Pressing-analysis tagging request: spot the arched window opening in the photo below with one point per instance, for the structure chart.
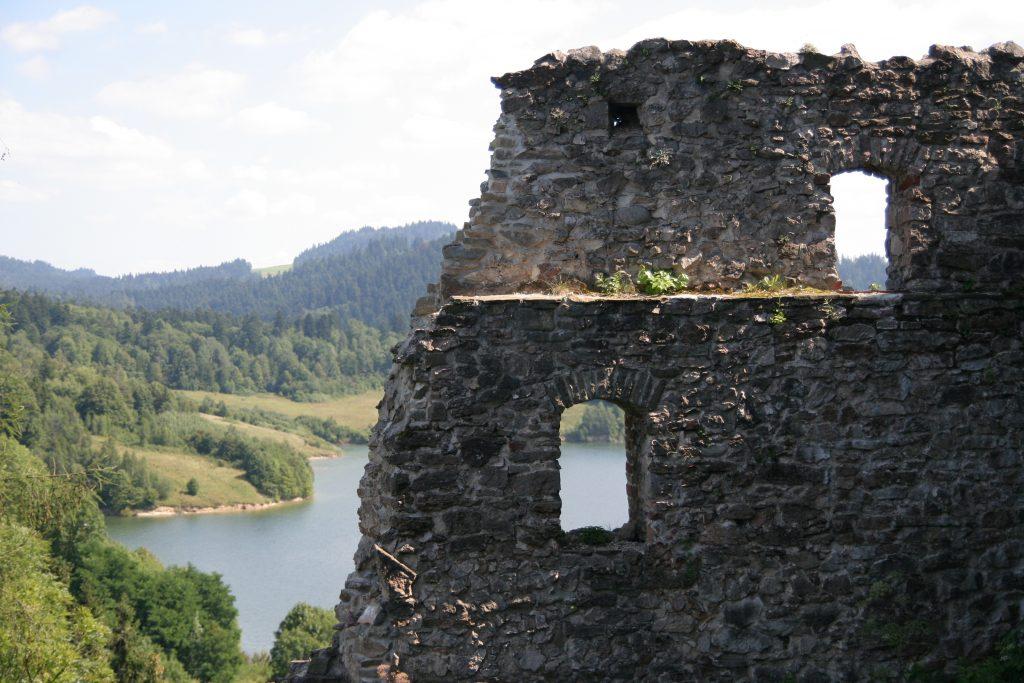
(860, 202)
(593, 466)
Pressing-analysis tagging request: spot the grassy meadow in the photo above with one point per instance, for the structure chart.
(311, 447)
(358, 411)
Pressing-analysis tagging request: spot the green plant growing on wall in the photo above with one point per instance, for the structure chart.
(830, 310)
(735, 86)
(657, 282)
(769, 283)
(778, 316)
(618, 282)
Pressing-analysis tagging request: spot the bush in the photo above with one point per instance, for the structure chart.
(616, 283)
(593, 535)
(192, 487)
(769, 283)
(658, 282)
(304, 629)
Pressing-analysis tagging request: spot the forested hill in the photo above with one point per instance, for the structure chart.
(346, 242)
(314, 355)
(860, 272)
(377, 284)
(87, 284)
(370, 275)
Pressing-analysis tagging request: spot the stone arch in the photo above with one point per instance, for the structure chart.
(633, 390)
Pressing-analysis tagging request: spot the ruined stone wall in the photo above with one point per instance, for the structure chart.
(831, 497)
(821, 488)
(724, 174)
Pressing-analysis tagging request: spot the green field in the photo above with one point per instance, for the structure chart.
(317, 449)
(219, 484)
(358, 411)
(270, 271)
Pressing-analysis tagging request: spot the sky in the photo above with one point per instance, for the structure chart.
(161, 135)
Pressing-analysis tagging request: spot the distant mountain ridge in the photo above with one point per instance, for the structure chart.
(346, 242)
(40, 275)
(860, 272)
(372, 275)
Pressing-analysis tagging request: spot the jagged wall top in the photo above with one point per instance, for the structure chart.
(715, 159)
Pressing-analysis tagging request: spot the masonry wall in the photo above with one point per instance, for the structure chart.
(725, 173)
(822, 488)
(832, 497)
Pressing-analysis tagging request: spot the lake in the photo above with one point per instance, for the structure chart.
(277, 557)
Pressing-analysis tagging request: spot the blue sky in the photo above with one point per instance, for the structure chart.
(158, 135)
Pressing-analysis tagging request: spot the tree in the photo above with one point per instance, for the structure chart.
(44, 634)
(192, 487)
(15, 397)
(190, 615)
(305, 628)
(102, 399)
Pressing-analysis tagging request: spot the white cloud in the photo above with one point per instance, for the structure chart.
(248, 204)
(196, 92)
(152, 28)
(47, 34)
(36, 67)
(271, 118)
(11, 191)
(252, 204)
(98, 152)
(249, 37)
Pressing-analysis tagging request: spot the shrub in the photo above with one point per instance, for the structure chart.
(304, 629)
(769, 283)
(659, 282)
(192, 487)
(618, 282)
(593, 535)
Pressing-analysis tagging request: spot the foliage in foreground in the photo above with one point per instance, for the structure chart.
(305, 628)
(44, 634)
(92, 606)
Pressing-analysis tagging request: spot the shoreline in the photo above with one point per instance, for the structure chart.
(170, 511)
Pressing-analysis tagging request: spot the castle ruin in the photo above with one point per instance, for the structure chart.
(833, 496)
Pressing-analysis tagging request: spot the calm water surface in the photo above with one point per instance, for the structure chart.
(274, 558)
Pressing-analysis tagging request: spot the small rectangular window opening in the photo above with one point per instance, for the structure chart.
(622, 116)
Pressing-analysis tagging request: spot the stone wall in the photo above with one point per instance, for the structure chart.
(724, 171)
(821, 487)
(831, 497)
